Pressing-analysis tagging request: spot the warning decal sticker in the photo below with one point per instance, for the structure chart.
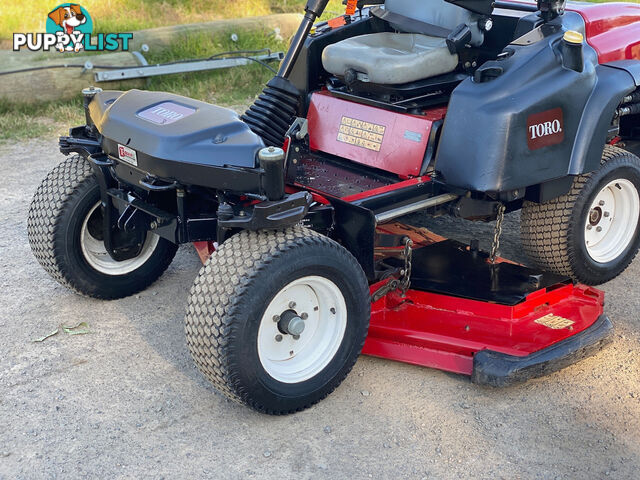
(554, 322)
(361, 134)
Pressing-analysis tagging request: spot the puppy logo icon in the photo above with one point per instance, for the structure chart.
(69, 22)
(70, 29)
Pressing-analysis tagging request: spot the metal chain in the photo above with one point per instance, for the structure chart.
(496, 233)
(403, 282)
(405, 278)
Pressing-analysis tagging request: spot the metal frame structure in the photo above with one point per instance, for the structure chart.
(146, 71)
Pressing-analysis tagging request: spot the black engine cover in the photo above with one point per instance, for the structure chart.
(175, 137)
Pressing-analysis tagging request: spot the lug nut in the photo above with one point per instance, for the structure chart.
(296, 337)
(589, 227)
(598, 229)
(601, 203)
(278, 338)
(607, 214)
(276, 318)
(292, 304)
(304, 315)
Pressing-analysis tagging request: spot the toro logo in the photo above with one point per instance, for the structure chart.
(128, 155)
(166, 113)
(545, 129)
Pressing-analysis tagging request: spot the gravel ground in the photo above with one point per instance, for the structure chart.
(126, 401)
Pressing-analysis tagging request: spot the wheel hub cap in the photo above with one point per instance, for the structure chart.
(595, 216)
(290, 323)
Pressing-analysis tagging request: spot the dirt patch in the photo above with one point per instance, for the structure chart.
(125, 401)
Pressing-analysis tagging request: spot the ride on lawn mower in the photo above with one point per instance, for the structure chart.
(470, 108)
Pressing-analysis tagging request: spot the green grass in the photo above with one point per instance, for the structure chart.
(231, 87)
(234, 88)
(29, 121)
(129, 15)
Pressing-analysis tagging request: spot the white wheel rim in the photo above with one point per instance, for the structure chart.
(612, 221)
(291, 360)
(95, 253)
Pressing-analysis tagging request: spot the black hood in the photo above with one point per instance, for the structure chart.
(172, 127)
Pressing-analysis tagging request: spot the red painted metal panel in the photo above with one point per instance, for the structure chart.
(388, 188)
(390, 141)
(417, 355)
(445, 332)
(204, 249)
(613, 29)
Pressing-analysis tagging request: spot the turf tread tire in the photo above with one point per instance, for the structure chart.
(547, 229)
(58, 192)
(220, 289)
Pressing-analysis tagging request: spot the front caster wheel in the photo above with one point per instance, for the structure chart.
(65, 234)
(276, 320)
(592, 233)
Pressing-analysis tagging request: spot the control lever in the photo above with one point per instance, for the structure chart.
(459, 38)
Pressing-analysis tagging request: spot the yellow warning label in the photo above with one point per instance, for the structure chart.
(361, 134)
(555, 322)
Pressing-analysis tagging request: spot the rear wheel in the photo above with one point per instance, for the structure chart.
(277, 319)
(592, 233)
(66, 237)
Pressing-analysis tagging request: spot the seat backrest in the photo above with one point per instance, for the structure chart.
(437, 12)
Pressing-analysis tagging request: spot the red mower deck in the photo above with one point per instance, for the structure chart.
(496, 344)
(448, 333)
